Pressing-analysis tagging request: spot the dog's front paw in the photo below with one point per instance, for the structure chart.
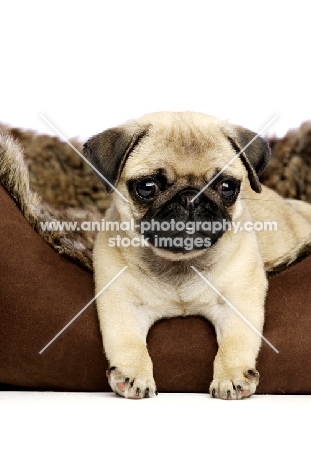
(235, 385)
(131, 384)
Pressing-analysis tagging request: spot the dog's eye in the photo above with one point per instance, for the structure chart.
(227, 189)
(147, 188)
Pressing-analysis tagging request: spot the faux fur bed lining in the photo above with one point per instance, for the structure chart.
(50, 182)
(14, 176)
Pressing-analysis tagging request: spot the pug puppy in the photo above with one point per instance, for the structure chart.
(175, 170)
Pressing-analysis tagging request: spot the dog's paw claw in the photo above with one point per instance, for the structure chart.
(135, 387)
(252, 374)
(238, 384)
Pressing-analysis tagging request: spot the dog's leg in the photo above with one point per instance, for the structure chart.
(235, 375)
(124, 331)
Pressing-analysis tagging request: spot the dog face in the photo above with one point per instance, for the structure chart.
(178, 170)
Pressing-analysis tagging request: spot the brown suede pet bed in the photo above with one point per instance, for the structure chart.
(41, 291)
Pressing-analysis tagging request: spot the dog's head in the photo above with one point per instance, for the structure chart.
(182, 175)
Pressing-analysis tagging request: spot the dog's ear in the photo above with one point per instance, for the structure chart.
(255, 157)
(108, 151)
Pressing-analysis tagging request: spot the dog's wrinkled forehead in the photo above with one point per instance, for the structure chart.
(183, 144)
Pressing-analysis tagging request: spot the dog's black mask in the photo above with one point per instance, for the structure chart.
(204, 222)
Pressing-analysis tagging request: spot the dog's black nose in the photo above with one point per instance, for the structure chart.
(189, 197)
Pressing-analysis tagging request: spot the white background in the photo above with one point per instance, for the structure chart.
(45, 430)
(88, 66)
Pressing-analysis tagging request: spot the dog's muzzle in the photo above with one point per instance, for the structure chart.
(185, 223)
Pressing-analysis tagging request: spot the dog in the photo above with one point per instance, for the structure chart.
(174, 177)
